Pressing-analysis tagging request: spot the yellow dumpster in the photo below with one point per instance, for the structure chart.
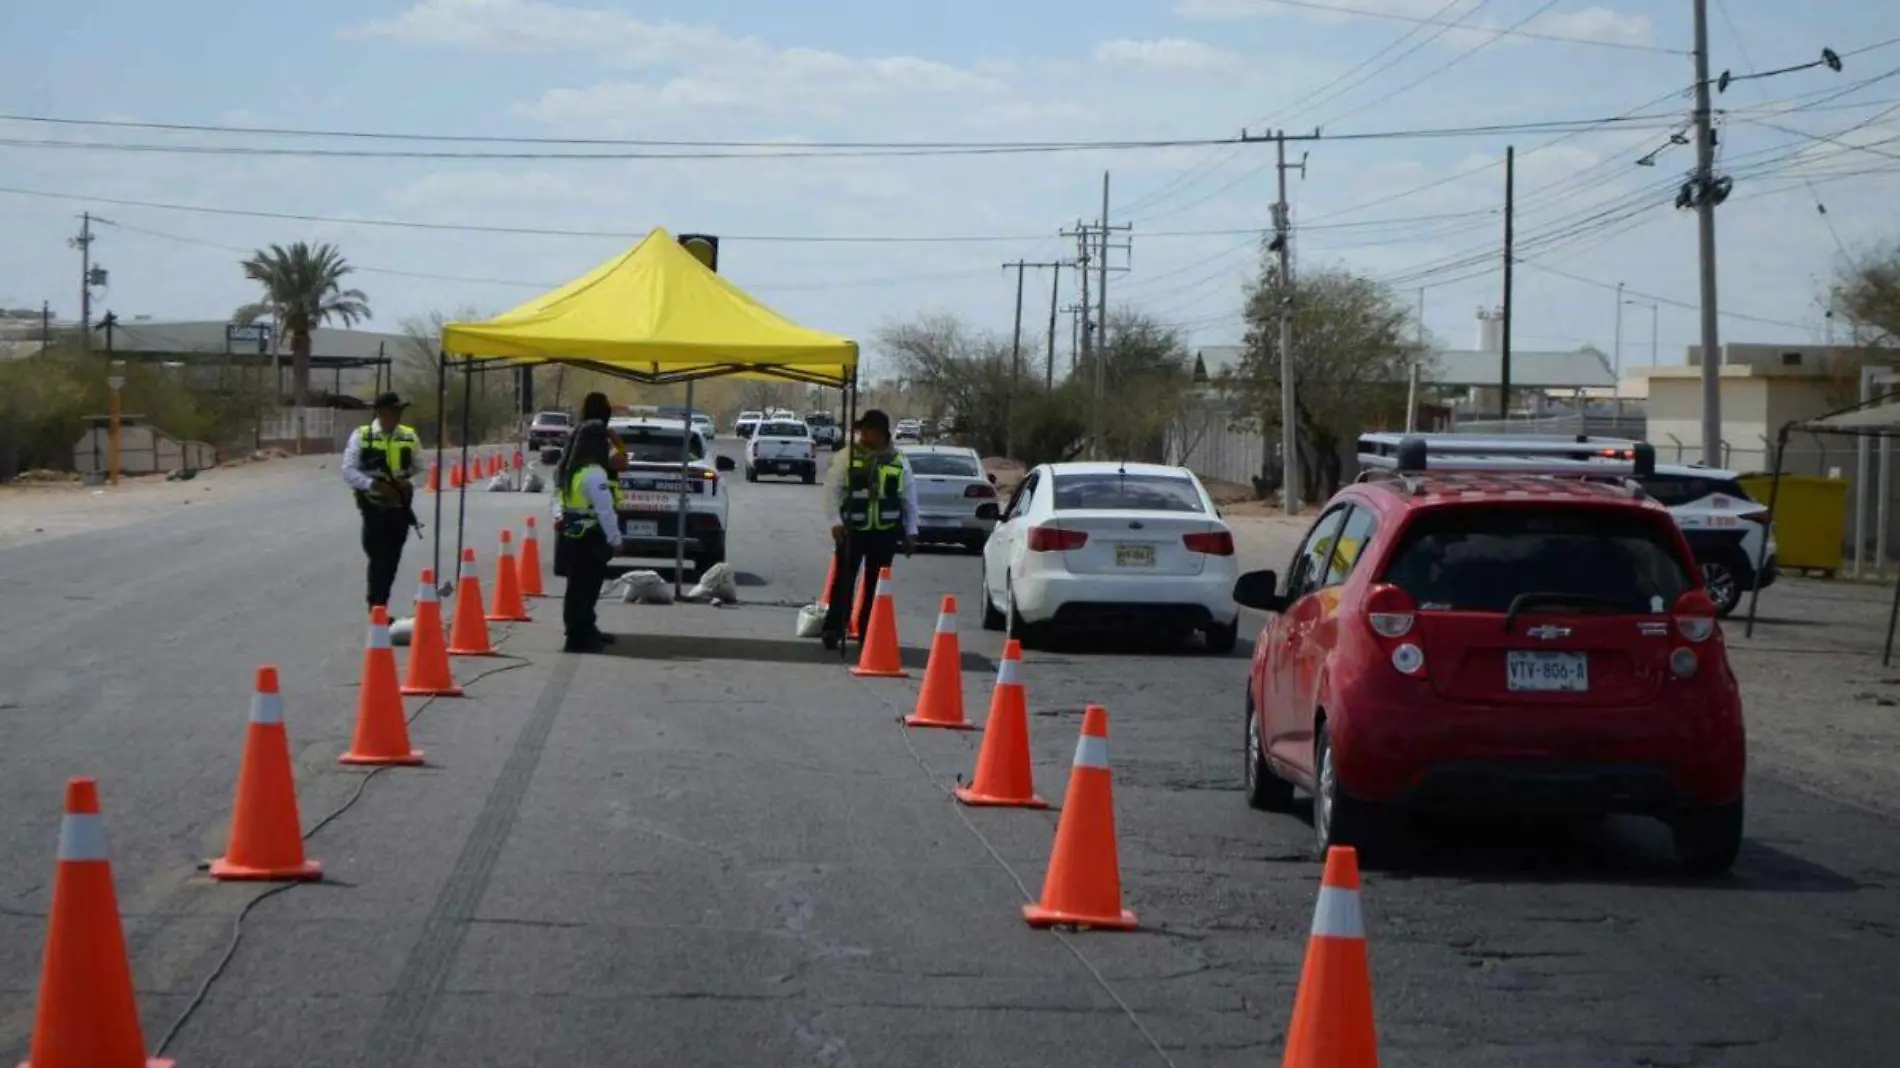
(1810, 519)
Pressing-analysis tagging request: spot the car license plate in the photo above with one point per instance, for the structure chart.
(642, 528)
(650, 502)
(1547, 672)
(1134, 555)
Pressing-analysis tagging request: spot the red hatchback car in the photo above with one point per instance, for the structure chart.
(1521, 632)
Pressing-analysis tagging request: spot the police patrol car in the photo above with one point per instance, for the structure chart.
(1724, 525)
(650, 492)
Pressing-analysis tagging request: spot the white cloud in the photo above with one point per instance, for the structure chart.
(1166, 55)
(713, 70)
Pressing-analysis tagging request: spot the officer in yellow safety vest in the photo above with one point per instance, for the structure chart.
(380, 463)
(873, 515)
(589, 534)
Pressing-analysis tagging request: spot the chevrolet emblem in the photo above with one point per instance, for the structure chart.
(1547, 632)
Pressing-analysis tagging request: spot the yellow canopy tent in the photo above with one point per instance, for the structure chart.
(655, 314)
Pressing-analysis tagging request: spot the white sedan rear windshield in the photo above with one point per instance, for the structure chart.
(1482, 559)
(943, 464)
(783, 430)
(1126, 493)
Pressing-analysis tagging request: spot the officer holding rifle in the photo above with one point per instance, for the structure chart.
(380, 463)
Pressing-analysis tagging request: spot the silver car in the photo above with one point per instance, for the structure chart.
(951, 492)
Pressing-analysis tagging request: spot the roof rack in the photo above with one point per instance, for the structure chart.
(1581, 455)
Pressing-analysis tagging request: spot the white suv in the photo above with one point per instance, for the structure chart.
(650, 492)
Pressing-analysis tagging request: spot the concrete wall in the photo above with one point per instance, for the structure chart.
(143, 450)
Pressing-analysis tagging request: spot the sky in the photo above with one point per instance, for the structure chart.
(1399, 186)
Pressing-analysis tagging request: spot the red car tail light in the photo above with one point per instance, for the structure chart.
(980, 492)
(1390, 612)
(1695, 615)
(1212, 542)
(1055, 539)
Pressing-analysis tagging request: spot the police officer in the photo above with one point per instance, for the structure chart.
(874, 514)
(379, 463)
(589, 534)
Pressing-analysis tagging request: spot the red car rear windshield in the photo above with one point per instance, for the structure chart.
(1476, 559)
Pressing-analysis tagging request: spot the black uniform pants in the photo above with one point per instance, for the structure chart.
(871, 550)
(585, 562)
(385, 530)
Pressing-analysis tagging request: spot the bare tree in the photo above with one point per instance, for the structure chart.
(1354, 344)
(1867, 296)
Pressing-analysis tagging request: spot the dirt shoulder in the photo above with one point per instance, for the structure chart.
(41, 511)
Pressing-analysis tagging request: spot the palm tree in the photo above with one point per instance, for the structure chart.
(303, 290)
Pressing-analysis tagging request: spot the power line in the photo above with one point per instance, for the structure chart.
(1442, 68)
(1532, 35)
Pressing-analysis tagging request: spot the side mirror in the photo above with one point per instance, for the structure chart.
(988, 511)
(992, 477)
(1259, 590)
(725, 463)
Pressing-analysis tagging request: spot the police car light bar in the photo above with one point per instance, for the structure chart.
(1413, 453)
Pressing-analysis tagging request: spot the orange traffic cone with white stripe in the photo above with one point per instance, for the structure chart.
(88, 1016)
(382, 728)
(879, 659)
(1332, 1014)
(266, 834)
(470, 635)
(428, 673)
(1005, 776)
(940, 702)
(831, 579)
(529, 565)
(509, 607)
(1083, 887)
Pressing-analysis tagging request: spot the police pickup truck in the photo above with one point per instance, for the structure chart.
(650, 492)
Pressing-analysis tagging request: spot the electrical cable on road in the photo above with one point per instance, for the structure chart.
(237, 923)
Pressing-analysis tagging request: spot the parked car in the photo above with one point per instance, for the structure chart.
(650, 492)
(1500, 633)
(1725, 528)
(1123, 546)
(825, 429)
(704, 424)
(549, 430)
(907, 430)
(747, 422)
(951, 493)
(781, 447)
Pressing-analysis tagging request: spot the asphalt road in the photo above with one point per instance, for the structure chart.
(714, 846)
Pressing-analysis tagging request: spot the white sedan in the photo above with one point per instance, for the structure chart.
(1111, 546)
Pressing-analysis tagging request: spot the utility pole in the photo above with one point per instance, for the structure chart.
(1705, 197)
(1084, 255)
(1098, 388)
(1074, 312)
(1510, 257)
(84, 244)
(1015, 365)
(46, 326)
(1616, 359)
(1055, 298)
(1289, 411)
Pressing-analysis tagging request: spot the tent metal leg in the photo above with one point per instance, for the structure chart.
(1761, 555)
(461, 508)
(850, 446)
(441, 442)
(679, 518)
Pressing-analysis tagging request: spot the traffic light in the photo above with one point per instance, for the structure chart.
(704, 247)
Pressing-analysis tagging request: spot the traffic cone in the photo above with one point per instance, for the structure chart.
(435, 479)
(470, 636)
(879, 658)
(520, 462)
(528, 567)
(1332, 1014)
(88, 1016)
(1005, 776)
(494, 464)
(455, 476)
(509, 607)
(382, 730)
(1083, 887)
(831, 579)
(266, 834)
(940, 702)
(428, 673)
